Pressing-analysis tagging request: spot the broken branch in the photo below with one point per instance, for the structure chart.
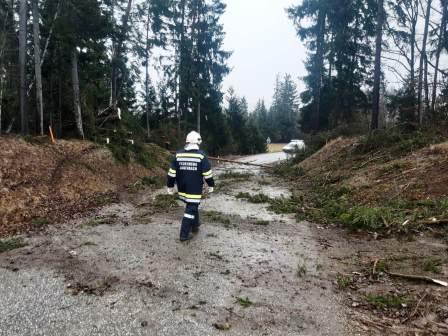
(418, 278)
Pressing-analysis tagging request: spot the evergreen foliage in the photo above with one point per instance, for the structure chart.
(340, 36)
(97, 58)
(112, 45)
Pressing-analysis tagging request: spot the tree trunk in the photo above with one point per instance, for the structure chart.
(422, 64)
(414, 21)
(426, 87)
(22, 60)
(76, 97)
(198, 125)
(319, 68)
(147, 107)
(60, 106)
(117, 54)
(2, 81)
(11, 124)
(438, 53)
(4, 38)
(37, 66)
(331, 63)
(50, 34)
(180, 68)
(59, 76)
(195, 56)
(112, 66)
(47, 43)
(51, 100)
(3, 71)
(435, 83)
(377, 71)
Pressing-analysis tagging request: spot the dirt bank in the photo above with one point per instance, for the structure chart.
(382, 174)
(43, 183)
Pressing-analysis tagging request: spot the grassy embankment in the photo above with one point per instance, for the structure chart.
(390, 181)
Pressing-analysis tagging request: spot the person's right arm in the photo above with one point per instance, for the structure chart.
(171, 176)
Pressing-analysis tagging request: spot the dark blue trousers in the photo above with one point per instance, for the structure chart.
(190, 220)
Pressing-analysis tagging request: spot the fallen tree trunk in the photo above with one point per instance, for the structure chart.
(235, 161)
(238, 162)
(418, 278)
(442, 221)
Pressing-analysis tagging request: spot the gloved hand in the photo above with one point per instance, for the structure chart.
(170, 191)
(211, 190)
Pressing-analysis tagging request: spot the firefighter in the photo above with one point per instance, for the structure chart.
(189, 168)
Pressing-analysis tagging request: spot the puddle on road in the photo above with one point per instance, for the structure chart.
(231, 206)
(227, 203)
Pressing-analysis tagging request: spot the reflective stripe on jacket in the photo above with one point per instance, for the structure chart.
(188, 170)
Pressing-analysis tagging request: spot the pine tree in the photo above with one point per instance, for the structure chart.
(200, 63)
(314, 36)
(338, 34)
(260, 116)
(353, 26)
(283, 114)
(155, 16)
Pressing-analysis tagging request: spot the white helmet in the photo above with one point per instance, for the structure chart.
(194, 138)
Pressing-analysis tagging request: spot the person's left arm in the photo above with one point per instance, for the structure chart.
(207, 173)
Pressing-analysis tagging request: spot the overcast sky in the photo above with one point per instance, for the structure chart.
(264, 43)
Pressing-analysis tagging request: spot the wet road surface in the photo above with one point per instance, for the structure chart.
(268, 158)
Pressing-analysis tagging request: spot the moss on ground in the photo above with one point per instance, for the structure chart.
(255, 198)
(11, 244)
(39, 222)
(389, 301)
(164, 202)
(234, 175)
(344, 281)
(244, 302)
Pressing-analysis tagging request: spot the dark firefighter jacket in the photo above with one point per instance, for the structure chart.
(189, 169)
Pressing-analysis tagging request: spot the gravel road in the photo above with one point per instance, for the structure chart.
(123, 272)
